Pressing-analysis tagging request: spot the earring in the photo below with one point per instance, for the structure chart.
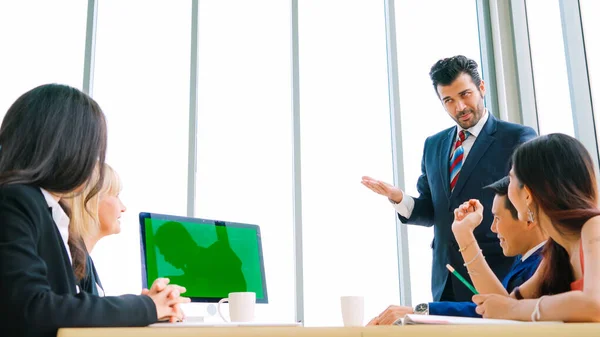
(529, 215)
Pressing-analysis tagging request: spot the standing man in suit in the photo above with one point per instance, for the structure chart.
(457, 163)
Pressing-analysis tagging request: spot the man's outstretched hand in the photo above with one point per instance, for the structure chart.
(391, 192)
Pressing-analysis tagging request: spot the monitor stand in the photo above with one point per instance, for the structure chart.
(199, 312)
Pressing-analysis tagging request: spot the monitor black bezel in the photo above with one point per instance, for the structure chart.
(149, 215)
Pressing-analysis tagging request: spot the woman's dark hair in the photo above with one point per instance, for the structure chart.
(52, 137)
(559, 172)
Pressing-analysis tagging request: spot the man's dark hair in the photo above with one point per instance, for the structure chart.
(500, 187)
(445, 71)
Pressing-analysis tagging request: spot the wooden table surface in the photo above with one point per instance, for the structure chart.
(527, 330)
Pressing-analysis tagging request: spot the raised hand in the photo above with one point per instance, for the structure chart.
(391, 192)
(467, 216)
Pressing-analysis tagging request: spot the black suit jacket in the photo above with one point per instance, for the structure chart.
(488, 161)
(91, 281)
(37, 285)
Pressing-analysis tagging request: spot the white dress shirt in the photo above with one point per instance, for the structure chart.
(61, 220)
(531, 251)
(406, 206)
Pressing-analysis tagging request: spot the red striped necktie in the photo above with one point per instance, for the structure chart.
(456, 160)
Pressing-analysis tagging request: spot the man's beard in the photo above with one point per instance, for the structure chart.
(476, 116)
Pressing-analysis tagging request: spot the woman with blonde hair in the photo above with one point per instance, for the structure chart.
(93, 216)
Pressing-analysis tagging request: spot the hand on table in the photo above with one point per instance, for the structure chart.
(495, 306)
(390, 315)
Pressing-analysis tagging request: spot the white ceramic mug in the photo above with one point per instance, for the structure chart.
(241, 307)
(353, 310)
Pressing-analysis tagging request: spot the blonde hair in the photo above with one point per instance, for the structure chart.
(84, 216)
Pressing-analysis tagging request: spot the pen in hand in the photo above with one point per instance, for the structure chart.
(458, 276)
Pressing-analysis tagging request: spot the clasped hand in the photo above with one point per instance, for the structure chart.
(167, 299)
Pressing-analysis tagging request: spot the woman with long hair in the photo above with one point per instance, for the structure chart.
(51, 139)
(552, 181)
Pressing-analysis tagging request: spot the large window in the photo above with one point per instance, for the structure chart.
(142, 84)
(422, 112)
(349, 232)
(591, 33)
(549, 67)
(244, 122)
(41, 42)
(244, 132)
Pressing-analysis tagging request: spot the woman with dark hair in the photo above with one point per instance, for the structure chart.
(552, 181)
(51, 139)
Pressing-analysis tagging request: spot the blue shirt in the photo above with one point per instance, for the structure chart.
(520, 272)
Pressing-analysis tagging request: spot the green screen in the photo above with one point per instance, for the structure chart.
(210, 260)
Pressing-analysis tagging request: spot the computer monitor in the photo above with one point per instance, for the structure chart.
(211, 258)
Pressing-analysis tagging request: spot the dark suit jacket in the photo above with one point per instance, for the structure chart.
(487, 162)
(518, 274)
(37, 283)
(91, 281)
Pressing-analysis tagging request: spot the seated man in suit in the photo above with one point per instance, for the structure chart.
(517, 237)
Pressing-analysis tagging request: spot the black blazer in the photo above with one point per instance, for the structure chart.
(91, 281)
(37, 285)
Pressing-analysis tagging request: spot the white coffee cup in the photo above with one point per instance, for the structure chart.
(241, 307)
(353, 310)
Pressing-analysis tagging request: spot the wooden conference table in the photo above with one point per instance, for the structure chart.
(526, 330)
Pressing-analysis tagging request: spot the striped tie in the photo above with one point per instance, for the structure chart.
(457, 158)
